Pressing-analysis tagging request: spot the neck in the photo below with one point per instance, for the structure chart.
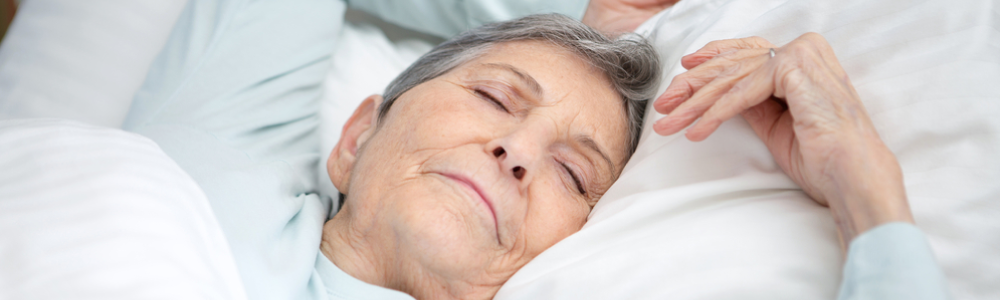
(353, 253)
(367, 252)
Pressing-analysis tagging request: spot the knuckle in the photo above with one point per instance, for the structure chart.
(800, 48)
(813, 36)
(713, 46)
(728, 55)
(759, 41)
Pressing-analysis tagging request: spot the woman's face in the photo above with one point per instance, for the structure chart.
(474, 173)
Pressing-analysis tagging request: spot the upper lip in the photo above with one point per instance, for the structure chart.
(476, 187)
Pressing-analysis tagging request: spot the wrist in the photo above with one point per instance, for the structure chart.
(870, 192)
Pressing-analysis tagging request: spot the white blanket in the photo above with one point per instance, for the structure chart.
(98, 213)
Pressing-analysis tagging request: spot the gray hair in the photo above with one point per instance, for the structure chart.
(628, 61)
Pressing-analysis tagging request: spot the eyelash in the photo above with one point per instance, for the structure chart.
(490, 97)
(576, 180)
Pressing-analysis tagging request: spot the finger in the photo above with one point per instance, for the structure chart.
(685, 85)
(751, 90)
(715, 48)
(706, 99)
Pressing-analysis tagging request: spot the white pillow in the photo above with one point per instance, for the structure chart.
(718, 220)
(98, 213)
(81, 60)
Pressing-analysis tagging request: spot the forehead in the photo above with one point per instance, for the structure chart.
(573, 92)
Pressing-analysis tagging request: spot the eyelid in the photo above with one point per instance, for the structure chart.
(493, 95)
(576, 179)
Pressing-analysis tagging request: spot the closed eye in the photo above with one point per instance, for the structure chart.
(490, 97)
(576, 180)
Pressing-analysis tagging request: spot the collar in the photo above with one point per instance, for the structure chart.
(341, 286)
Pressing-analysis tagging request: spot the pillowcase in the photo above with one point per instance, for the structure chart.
(719, 220)
(81, 60)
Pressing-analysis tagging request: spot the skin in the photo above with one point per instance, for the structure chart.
(622, 15)
(803, 106)
(453, 192)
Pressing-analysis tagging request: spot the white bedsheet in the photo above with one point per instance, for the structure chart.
(97, 213)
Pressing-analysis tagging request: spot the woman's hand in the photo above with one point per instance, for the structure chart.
(802, 105)
(622, 15)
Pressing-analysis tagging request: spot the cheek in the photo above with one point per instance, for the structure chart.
(441, 120)
(552, 216)
(415, 131)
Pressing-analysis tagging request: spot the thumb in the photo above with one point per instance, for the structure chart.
(773, 125)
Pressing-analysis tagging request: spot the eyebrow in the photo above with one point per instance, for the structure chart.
(532, 84)
(589, 143)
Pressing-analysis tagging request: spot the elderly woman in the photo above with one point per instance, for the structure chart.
(488, 150)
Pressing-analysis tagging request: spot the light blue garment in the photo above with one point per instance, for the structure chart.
(338, 285)
(892, 261)
(233, 99)
(446, 18)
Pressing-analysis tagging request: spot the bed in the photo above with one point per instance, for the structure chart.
(709, 220)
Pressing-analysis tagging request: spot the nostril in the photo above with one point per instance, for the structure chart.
(498, 151)
(519, 172)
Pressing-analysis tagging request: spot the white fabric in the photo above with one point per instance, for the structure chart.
(718, 220)
(81, 60)
(98, 213)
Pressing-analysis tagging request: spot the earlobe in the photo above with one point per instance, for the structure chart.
(356, 131)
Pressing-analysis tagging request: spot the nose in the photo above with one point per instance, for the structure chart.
(520, 152)
(501, 155)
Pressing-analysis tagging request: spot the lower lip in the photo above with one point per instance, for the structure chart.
(476, 192)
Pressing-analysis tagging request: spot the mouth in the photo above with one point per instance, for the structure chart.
(478, 192)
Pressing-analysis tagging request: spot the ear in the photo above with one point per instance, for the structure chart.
(358, 129)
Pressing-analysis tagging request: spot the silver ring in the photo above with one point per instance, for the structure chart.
(772, 52)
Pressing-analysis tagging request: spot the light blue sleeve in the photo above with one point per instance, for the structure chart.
(892, 261)
(446, 18)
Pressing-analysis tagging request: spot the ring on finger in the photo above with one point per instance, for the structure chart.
(771, 52)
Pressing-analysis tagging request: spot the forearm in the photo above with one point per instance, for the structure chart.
(868, 191)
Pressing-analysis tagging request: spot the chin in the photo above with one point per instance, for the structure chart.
(443, 230)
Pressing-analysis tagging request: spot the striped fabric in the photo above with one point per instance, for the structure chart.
(106, 215)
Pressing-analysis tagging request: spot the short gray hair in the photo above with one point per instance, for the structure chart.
(628, 61)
